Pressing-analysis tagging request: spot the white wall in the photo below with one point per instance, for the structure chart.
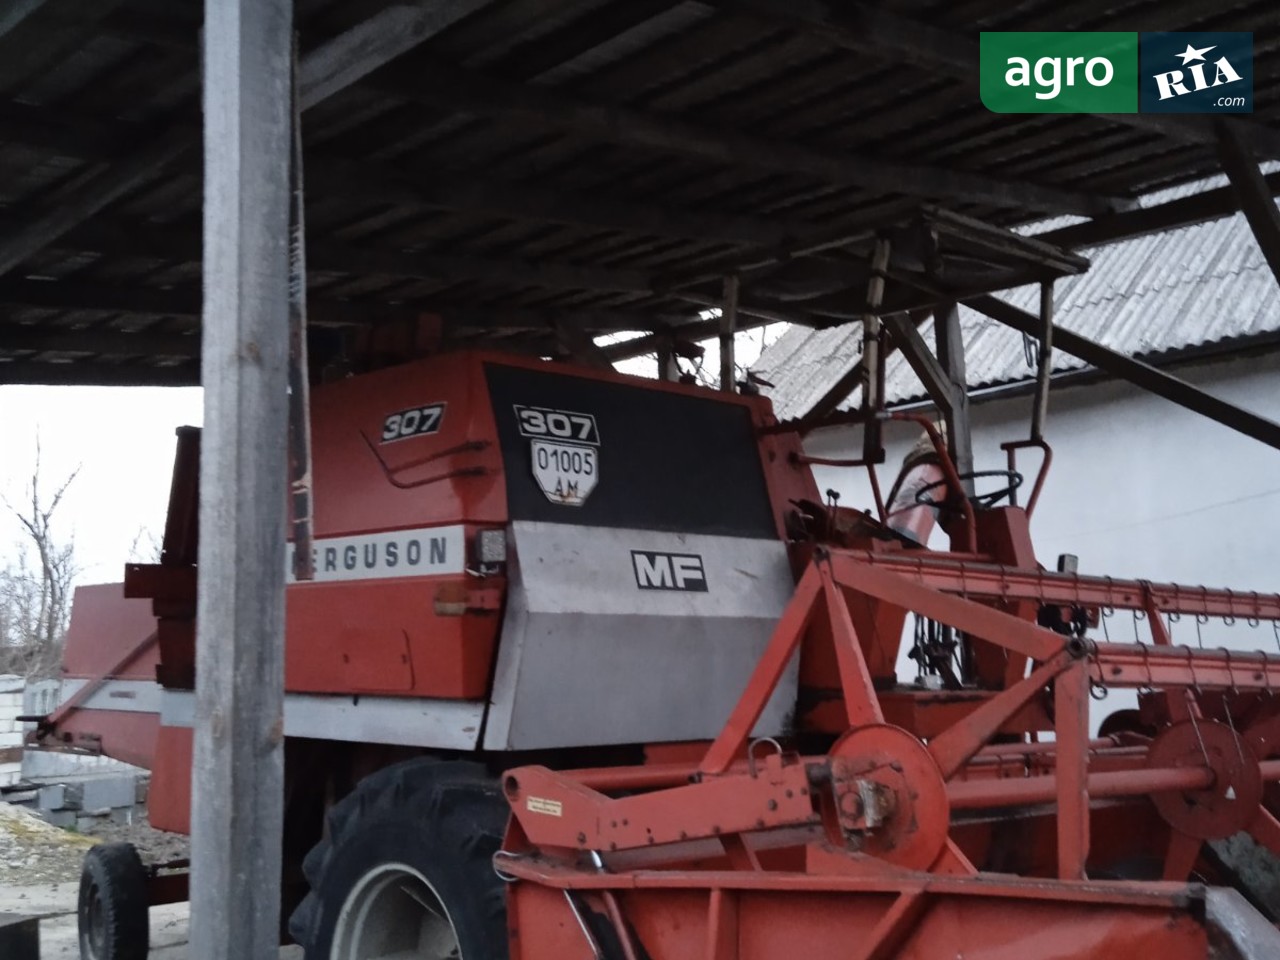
(1139, 486)
(10, 729)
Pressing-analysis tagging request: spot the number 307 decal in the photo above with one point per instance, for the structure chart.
(414, 422)
(545, 423)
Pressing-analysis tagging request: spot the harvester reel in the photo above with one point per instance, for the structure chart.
(1230, 803)
(889, 795)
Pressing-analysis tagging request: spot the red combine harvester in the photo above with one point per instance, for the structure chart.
(588, 670)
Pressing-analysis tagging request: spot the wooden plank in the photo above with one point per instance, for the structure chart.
(16, 12)
(1135, 371)
(902, 329)
(456, 88)
(728, 331)
(579, 345)
(1252, 192)
(950, 345)
(343, 60)
(1044, 362)
(869, 29)
(237, 811)
(43, 339)
(750, 317)
(119, 237)
(391, 33)
(99, 374)
(475, 193)
(1183, 212)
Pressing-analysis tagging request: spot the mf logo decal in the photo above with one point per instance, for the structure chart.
(669, 571)
(1197, 72)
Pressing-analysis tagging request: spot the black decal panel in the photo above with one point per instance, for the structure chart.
(657, 461)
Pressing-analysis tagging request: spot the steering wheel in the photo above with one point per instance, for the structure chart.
(983, 500)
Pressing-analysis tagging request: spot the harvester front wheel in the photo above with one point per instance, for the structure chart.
(406, 869)
(113, 904)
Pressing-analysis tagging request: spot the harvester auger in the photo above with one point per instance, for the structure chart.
(941, 823)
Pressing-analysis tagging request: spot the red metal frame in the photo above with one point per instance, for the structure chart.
(666, 854)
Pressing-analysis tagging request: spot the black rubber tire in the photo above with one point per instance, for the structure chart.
(113, 904)
(443, 819)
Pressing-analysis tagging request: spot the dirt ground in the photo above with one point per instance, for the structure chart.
(34, 852)
(56, 904)
(40, 872)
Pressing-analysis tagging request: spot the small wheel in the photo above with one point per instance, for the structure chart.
(113, 904)
(406, 870)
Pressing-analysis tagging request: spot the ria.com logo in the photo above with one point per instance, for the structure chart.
(1117, 72)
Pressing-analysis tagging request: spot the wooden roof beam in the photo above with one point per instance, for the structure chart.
(42, 339)
(356, 258)
(1135, 371)
(867, 28)
(1253, 193)
(528, 201)
(185, 302)
(330, 68)
(1183, 212)
(100, 374)
(452, 87)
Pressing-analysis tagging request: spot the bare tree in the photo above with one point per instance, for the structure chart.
(35, 598)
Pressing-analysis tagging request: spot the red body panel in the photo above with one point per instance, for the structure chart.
(169, 798)
(104, 628)
(395, 636)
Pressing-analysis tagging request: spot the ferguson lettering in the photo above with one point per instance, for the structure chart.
(399, 553)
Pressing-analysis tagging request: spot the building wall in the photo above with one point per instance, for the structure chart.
(1139, 486)
(10, 729)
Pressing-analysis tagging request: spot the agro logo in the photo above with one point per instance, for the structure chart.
(669, 571)
(1197, 72)
(1059, 72)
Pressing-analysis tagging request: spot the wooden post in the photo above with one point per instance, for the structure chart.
(237, 790)
(872, 363)
(668, 369)
(728, 327)
(950, 347)
(1044, 363)
(300, 492)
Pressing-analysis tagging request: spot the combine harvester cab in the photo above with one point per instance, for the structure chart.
(584, 668)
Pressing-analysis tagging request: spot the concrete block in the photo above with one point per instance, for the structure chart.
(60, 818)
(123, 815)
(141, 787)
(71, 795)
(19, 937)
(87, 821)
(106, 792)
(53, 797)
(51, 766)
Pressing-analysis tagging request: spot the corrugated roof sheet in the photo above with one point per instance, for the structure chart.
(1187, 288)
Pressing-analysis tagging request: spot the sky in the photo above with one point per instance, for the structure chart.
(122, 441)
